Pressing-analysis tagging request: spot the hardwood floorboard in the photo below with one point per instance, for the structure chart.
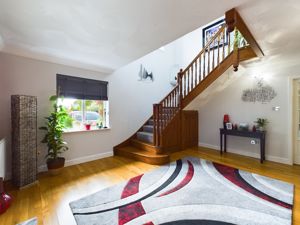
(48, 200)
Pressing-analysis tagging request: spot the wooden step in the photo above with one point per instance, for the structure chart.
(145, 136)
(144, 146)
(151, 122)
(148, 128)
(142, 155)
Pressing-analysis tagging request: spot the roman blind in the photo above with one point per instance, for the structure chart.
(81, 88)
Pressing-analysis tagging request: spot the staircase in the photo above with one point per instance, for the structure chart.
(171, 128)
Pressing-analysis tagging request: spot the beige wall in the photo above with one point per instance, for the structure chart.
(130, 100)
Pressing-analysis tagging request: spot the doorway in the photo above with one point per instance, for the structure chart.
(296, 121)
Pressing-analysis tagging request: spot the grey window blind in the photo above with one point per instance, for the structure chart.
(81, 88)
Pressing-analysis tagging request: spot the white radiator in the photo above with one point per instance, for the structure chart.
(2, 158)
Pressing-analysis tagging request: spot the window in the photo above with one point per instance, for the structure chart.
(86, 102)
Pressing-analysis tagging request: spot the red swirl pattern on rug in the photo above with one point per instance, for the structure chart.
(132, 211)
(233, 176)
(188, 177)
(149, 223)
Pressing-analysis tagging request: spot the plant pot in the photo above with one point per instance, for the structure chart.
(5, 199)
(88, 126)
(5, 202)
(55, 165)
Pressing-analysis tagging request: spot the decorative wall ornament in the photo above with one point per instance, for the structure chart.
(173, 74)
(144, 75)
(261, 93)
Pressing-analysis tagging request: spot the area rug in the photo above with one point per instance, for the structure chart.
(190, 191)
(32, 221)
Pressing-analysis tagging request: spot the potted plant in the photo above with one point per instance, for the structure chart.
(55, 123)
(87, 125)
(261, 123)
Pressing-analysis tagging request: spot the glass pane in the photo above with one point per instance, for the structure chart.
(74, 109)
(94, 112)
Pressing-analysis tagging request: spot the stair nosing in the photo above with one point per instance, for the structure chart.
(145, 132)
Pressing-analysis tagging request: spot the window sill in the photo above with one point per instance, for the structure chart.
(83, 130)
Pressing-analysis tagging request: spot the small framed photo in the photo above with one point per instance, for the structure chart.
(229, 126)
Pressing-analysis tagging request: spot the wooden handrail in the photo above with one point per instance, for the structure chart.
(205, 47)
(233, 19)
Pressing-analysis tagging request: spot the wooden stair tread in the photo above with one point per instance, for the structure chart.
(138, 151)
(143, 143)
(144, 146)
(142, 155)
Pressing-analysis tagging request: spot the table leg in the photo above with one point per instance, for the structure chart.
(221, 143)
(264, 147)
(1, 185)
(262, 150)
(225, 143)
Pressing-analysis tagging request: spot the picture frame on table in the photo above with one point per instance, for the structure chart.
(209, 31)
(229, 126)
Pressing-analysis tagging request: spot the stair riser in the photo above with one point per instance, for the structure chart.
(144, 146)
(154, 161)
(145, 138)
(148, 129)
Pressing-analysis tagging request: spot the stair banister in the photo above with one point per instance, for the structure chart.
(179, 83)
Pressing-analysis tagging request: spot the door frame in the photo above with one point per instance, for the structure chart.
(290, 118)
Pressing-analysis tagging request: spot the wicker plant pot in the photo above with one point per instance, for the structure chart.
(55, 166)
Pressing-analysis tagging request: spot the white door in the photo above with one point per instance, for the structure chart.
(296, 120)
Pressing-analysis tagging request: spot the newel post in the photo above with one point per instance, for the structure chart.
(179, 81)
(230, 19)
(236, 50)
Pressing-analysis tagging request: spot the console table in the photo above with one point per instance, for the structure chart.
(261, 135)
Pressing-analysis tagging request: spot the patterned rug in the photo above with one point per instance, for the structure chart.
(32, 221)
(190, 191)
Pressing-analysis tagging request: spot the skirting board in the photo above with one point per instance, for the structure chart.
(250, 154)
(80, 160)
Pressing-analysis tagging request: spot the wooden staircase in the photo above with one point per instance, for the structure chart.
(171, 128)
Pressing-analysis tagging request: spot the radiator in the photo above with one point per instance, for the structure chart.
(2, 158)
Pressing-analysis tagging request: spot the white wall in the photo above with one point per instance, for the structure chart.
(229, 102)
(130, 100)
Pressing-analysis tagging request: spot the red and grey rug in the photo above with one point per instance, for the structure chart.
(190, 191)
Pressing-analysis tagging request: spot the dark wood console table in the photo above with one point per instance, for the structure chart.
(261, 135)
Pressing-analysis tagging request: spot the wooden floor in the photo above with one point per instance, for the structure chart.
(48, 200)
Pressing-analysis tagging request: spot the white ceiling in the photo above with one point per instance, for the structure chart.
(104, 35)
